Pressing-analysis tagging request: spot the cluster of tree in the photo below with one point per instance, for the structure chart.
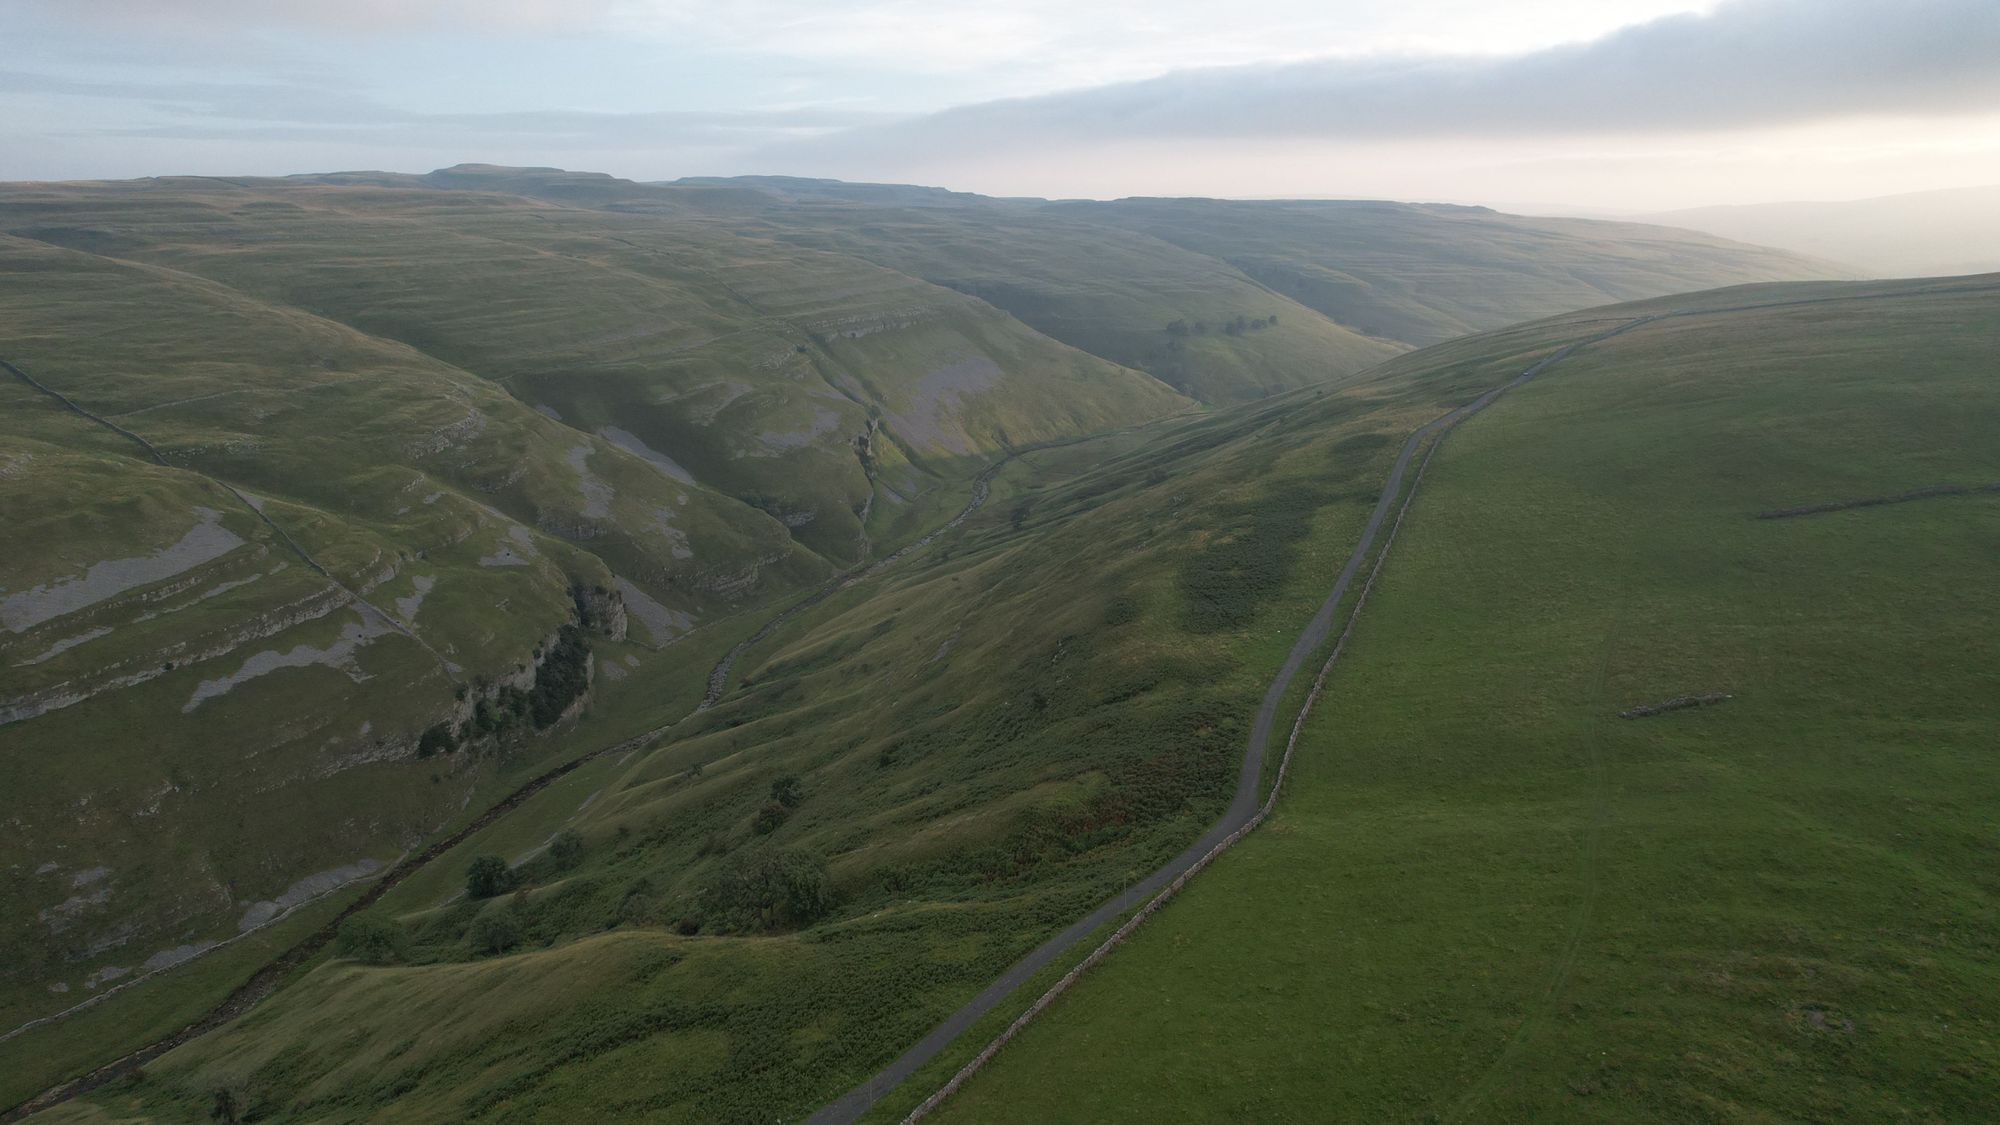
(768, 889)
(562, 679)
(489, 875)
(1235, 326)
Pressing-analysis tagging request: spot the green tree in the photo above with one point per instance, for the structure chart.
(561, 680)
(487, 876)
(495, 931)
(769, 889)
(566, 849)
(371, 938)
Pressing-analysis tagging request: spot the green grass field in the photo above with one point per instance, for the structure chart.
(1485, 896)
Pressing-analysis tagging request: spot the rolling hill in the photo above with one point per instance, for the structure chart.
(987, 740)
(347, 504)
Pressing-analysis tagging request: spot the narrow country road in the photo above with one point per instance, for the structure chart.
(1243, 807)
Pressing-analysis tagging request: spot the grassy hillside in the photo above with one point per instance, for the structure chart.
(342, 463)
(340, 499)
(1424, 273)
(810, 385)
(1486, 895)
(1185, 317)
(979, 746)
(1338, 285)
(1406, 273)
(226, 628)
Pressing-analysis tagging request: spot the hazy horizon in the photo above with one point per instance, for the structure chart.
(1615, 107)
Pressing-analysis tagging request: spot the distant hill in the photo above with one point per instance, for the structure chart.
(1922, 234)
(1424, 273)
(1408, 272)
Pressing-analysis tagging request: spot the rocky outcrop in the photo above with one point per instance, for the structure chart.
(599, 610)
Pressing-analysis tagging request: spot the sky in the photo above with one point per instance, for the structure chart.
(1617, 106)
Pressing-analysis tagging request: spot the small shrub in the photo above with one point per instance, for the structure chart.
(788, 791)
(639, 905)
(769, 818)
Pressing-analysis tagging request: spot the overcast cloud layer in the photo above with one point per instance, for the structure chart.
(1750, 63)
(1617, 103)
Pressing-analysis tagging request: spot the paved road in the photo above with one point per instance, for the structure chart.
(1242, 806)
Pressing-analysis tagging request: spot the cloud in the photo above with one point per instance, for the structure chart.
(1749, 63)
(359, 16)
(265, 111)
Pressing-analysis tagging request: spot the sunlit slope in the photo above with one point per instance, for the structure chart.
(985, 742)
(1394, 272)
(1486, 895)
(217, 669)
(1104, 290)
(812, 385)
(1185, 317)
(1423, 273)
(1225, 300)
